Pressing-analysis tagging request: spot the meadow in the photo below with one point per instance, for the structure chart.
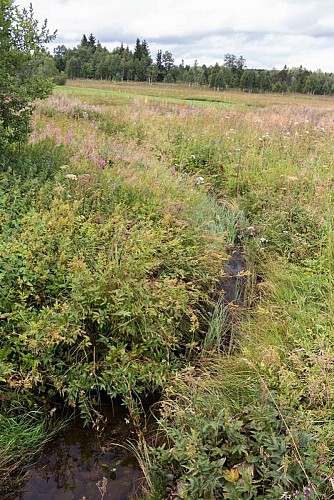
(117, 222)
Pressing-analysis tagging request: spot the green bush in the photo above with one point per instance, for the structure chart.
(60, 78)
(103, 291)
(211, 452)
(21, 44)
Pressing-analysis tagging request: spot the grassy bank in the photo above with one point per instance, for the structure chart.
(116, 223)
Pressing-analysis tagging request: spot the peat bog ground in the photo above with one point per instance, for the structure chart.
(119, 221)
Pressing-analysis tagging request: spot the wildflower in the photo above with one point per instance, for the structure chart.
(263, 240)
(52, 412)
(70, 135)
(200, 180)
(103, 163)
(307, 492)
(72, 177)
(250, 230)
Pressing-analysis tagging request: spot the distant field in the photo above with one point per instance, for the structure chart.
(193, 94)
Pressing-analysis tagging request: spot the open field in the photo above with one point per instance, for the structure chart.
(116, 227)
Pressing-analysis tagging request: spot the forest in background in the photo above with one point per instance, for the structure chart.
(91, 60)
(118, 214)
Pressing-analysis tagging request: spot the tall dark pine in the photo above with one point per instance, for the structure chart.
(92, 41)
(145, 49)
(138, 50)
(84, 41)
(159, 66)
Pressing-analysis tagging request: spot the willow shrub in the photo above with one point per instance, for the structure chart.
(103, 288)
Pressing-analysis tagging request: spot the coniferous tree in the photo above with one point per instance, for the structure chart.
(84, 41)
(160, 73)
(92, 42)
(60, 57)
(138, 50)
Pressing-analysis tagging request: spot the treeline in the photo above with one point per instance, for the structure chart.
(90, 60)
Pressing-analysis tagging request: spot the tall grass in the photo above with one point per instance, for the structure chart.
(23, 434)
(154, 188)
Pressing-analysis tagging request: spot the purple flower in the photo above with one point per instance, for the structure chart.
(103, 163)
(307, 492)
(70, 135)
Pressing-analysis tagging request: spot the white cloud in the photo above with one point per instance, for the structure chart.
(267, 33)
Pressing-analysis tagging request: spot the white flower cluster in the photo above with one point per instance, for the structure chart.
(200, 180)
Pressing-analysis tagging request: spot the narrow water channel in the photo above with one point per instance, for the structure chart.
(82, 464)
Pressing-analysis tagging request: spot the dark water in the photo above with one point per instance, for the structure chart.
(232, 284)
(230, 295)
(82, 464)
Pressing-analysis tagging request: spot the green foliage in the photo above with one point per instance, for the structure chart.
(92, 61)
(293, 231)
(109, 258)
(60, 78)
(211, 452)
(104, 291)
(23, 433)
(21, 42)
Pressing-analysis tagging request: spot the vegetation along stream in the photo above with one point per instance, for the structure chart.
(83, 463)
(135, 223)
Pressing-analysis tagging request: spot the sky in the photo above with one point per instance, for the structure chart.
(267, 33)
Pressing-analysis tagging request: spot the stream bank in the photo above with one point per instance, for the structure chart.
(84, 464)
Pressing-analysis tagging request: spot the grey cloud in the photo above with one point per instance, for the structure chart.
(292, 32)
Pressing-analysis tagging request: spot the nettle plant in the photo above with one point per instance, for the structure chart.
(21, 52)
(209, 452)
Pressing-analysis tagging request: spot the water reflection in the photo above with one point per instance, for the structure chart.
(81, 464)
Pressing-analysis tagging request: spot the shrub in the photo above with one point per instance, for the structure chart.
(210, 450)
(21, 43)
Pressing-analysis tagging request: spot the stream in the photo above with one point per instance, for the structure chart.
(83, 464)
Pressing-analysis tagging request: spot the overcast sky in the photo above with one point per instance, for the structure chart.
(268, 33)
